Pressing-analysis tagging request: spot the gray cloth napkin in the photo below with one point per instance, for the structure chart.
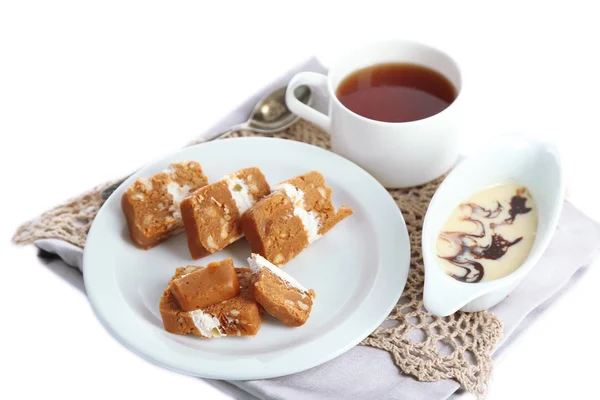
(369, 373)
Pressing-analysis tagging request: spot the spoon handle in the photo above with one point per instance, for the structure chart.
(221, 134)
(105, 194)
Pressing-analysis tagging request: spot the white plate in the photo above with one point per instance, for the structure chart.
(358, 270)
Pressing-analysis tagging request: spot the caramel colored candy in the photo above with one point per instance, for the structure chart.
(238, 316)
(212, 214)
(298, 212)
(281, 295)
(206, 286)
(152, 205)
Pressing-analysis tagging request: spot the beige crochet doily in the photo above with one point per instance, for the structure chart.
(427, 347)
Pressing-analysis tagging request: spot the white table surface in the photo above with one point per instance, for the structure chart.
(91, 91)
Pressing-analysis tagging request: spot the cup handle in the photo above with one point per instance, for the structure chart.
(314, 80)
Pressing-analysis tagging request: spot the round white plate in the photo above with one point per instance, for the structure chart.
(358, 269)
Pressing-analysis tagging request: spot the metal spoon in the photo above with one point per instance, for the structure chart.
(269, 115)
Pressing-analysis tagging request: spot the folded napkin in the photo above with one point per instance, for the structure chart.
(367, 372)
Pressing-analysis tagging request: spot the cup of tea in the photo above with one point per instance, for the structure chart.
(392, 110)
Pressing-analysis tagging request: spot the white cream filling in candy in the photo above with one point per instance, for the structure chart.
(310, 219)
(146, 183)
(258, 262)
(177, 193)
(207, 324)
(239, 192)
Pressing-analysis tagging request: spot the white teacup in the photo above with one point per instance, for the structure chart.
(398, 154)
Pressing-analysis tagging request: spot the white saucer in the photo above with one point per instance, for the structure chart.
(358, 270)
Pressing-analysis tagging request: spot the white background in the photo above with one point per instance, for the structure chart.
(92, 90)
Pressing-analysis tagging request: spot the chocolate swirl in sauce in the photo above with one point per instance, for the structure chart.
(470, 250)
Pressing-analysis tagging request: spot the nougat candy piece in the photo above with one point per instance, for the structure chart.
(152, 205)
(238, 316)
(212, 214)
(280, 294)
(206, 286)
(298, 212)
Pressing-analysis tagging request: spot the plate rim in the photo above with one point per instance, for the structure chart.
(117, 332)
